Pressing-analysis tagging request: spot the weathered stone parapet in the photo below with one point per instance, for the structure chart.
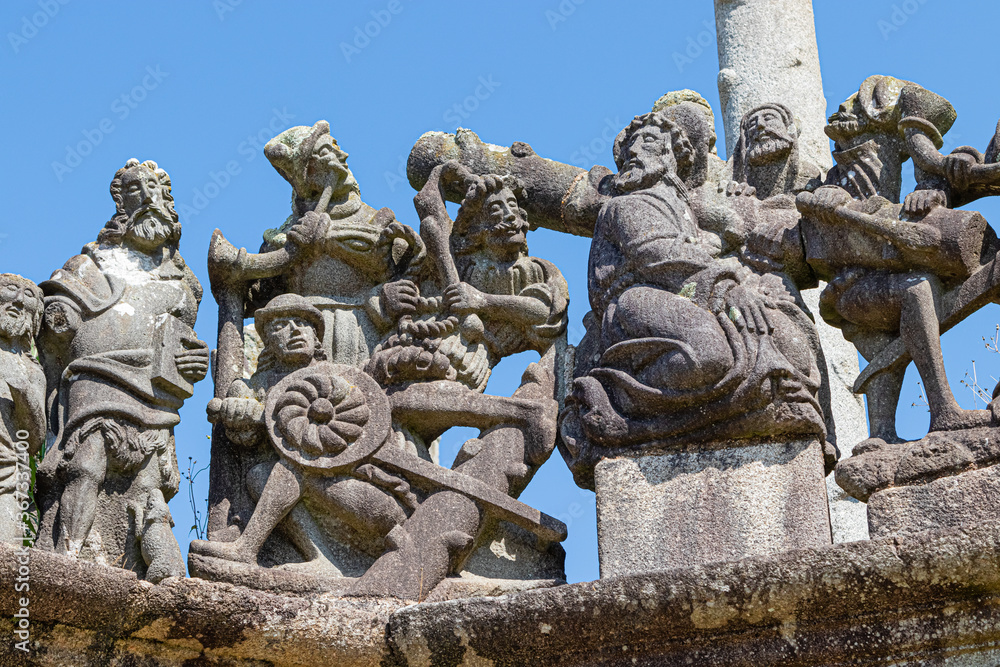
(927, 599)
(931, 599)
(88, 614)
(707, 504)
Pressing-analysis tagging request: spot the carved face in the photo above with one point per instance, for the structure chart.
(293, 340)
(648, 157)
(506, 226)
(325, 162)
(149, 224)
(768, 138)
(873, 109)
(20, 309)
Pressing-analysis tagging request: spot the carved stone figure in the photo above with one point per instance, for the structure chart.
(312, 445)
(22, 400)
(508, 302)
(889, 265)
(348, 260)
(682, 344)
(121, 356)
(767, 156)
(300, 413)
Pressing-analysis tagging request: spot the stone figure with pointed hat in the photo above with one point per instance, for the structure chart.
(375, 341)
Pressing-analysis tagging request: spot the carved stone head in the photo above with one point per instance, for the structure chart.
(768, 133)
(144, 208)
(310, 160)
(651, 149)
(693, 114)
(292, 331)
(21, 310)
(873, 110)
(491, 218)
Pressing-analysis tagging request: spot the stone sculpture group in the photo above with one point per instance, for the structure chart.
(370, 338)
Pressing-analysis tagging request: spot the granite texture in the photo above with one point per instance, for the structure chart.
(964, 500)
(927, 599)
(685, 508)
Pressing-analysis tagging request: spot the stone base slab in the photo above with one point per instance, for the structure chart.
(676, 509)
(929, 599)
(965, 500)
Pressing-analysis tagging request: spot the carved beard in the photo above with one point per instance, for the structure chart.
(153, 230)
(14, 326)
(768, 147)
(639, 177)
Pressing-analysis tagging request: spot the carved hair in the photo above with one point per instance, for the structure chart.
(681, 145)
(469, 233)
(114, 229)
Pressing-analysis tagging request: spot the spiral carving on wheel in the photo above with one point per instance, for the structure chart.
(327, 416)
(321, 414)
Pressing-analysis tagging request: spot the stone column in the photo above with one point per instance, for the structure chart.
(768, 53)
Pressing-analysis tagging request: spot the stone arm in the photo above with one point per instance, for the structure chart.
(831, 203)
(625, 254)
(241, 413)
(537, 311)
(27, 392)
(961, 177)
(561, 197)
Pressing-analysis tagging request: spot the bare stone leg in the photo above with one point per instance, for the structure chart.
(299, 527)
(424, 549)
(281, 492)
(84, 473)
(159, 546)
(920, 331)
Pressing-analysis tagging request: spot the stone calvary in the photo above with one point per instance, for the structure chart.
(698, 404)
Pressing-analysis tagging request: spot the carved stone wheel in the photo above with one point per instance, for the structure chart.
(327, 417)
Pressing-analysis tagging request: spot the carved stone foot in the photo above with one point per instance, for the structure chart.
(223, 550)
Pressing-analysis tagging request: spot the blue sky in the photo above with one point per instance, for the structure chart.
(200, 86)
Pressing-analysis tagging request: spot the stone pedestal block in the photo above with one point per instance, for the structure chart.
(962, 501)
(683, 508)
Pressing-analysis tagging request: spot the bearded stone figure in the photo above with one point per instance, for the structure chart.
(767, 157)
(22, 399)
(120, 357)
(683, 344)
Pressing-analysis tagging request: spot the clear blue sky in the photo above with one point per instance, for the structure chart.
(200, 86)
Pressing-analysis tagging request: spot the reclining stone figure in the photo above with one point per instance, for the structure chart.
(682, 344)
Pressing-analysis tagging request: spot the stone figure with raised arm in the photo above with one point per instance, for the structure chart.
(889, 265)
(120, 356)
(348, 260)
